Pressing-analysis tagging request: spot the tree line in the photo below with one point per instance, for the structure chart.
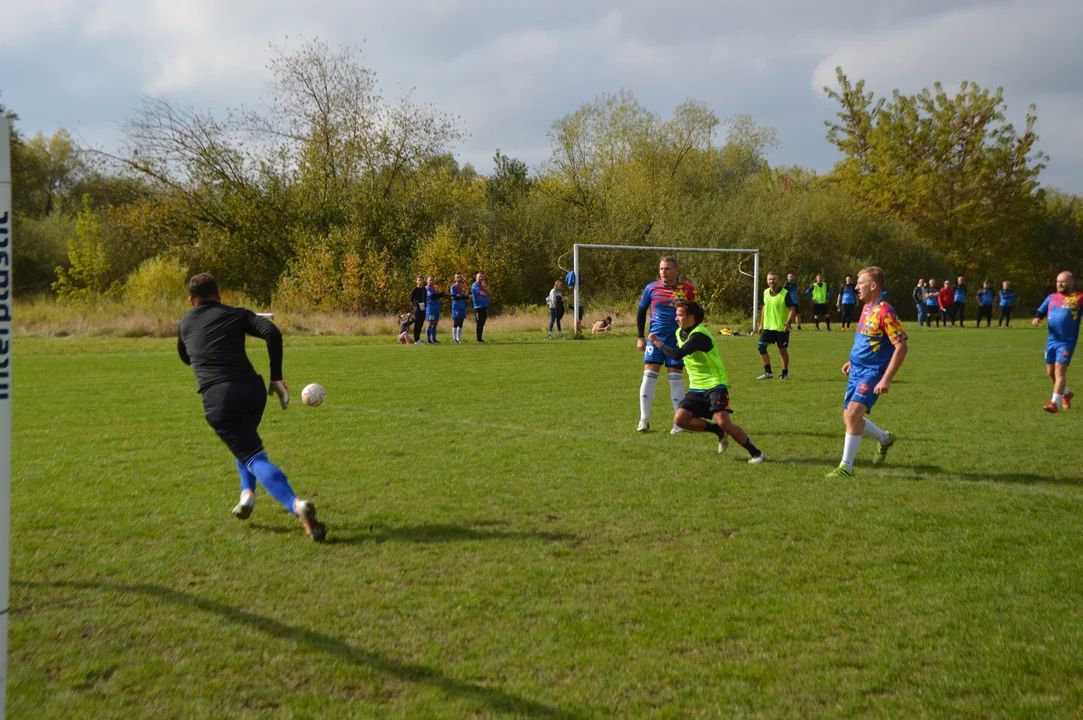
(332, 198)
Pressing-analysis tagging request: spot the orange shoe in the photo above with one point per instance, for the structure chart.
(306, 513)
(1049, 407)
(1066, 401)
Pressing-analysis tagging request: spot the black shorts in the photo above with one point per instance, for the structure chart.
(775, 337)
(818, 309)
(234, 409)
(706, 404)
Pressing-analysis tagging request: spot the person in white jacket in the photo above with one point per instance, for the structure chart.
(555, 301)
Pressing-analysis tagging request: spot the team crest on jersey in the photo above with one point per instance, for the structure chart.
(863, 388)
(1064, 353)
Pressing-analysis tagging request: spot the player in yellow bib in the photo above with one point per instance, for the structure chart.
(776, 316)
(708, 395)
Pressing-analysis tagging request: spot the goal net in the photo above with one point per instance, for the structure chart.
(727, 279)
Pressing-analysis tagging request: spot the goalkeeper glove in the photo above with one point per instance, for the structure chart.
(278, 387)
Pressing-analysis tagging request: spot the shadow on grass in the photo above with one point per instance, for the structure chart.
(925, 471)
(494, 699)
(380, 533)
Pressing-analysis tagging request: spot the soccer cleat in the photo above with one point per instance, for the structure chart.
(881, 452)
(840, 471)
(643, 426)
(675, 430)
(552, 336)
(306, 513)
(1066, 401)
(757, 460)
(765, 376)
(1049, 407)
(723, 443)
(244, 508)
(784, 376)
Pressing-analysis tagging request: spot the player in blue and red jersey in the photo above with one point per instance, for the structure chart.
(660, 300)
(878, 353)
(1064, 308)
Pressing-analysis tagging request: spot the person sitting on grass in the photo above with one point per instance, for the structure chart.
(602, 326)
(406, 322)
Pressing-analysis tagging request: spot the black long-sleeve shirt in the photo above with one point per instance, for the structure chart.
(698, 343)
(210, 338)
(417, 300)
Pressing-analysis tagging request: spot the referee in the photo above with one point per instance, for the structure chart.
(211, 338)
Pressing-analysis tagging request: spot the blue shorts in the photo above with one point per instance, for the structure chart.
(432, 317)
(1059, 352)
(860, 388)
(458, 315)
(657, 357)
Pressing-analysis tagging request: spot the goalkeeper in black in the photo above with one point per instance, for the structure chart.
(211, 338)
(708, 396)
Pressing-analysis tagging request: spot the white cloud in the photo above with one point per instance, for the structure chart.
(510, 69)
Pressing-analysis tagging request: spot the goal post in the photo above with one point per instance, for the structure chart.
(754, 252)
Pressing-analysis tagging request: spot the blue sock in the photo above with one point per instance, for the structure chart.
(248, 480)
(272, 479)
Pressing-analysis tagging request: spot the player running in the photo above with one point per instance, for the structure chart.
(776, 316)
(708, 396)
(872, 365)
(660, 299)
(1064, 308)
(210, 338)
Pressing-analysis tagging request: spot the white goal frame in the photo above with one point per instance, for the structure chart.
(755, 252)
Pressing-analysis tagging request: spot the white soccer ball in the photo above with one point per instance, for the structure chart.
(312, 394)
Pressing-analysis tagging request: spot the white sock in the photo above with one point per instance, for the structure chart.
(458, 333)
(849, 450)
(874, 432)
(676, 389)
(1057, 398)
(646, 394)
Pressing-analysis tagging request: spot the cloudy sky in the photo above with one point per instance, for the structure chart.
(509, 69)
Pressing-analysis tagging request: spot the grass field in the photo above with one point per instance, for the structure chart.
(503, 544)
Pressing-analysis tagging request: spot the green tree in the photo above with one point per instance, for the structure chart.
(948, 164)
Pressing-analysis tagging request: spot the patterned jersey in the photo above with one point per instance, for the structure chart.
(1064, 312)
(662, 302)
(985, 296)
(878, 323)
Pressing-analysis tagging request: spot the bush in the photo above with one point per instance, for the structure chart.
(160, 280)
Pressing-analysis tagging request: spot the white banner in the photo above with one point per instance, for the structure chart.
(5, 402)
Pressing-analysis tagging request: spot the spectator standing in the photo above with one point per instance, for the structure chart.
(960, 300)
(555, 301)
(1007, 301)
(417, 305)
(919, 300)
(946, 301)
(932, 304)
(985, 303)
(479, 292)
(846, 302)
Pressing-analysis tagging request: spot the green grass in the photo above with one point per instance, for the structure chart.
(503, 544)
